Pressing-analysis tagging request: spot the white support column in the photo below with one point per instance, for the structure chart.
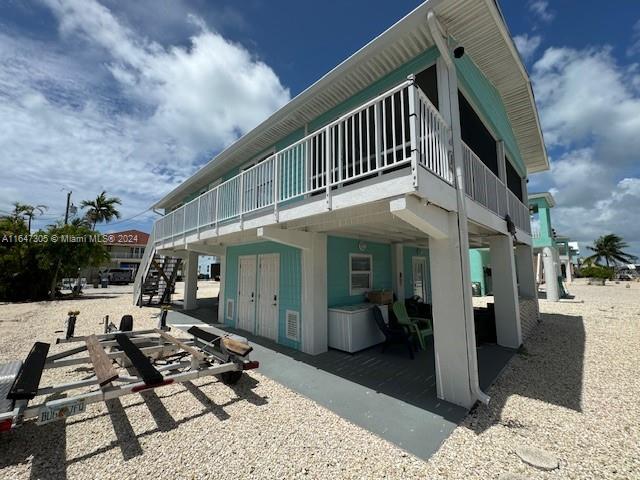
(222, 304)
(397, 270)
(526, 275)
(453, 375)
(569, 272)
(461, 326)
(539, 275)
(314, 323)
(190, 272)
(505, 291)
(550, 274)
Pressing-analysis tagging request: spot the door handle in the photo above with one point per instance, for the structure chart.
(275, 300)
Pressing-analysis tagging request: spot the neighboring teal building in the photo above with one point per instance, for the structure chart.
(546, 244)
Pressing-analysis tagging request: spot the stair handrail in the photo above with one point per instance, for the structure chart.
(145, 265)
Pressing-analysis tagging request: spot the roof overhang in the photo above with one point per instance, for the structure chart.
(544, 196)
(477, 25)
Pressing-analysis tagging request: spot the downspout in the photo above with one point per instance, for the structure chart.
(438, 36)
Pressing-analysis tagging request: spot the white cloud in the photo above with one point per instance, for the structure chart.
(590, 113)
(586, 99)
(135, 128)
(527, 45)
(541, 9)
(634, 48)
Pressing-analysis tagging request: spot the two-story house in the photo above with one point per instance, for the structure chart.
(381, 175)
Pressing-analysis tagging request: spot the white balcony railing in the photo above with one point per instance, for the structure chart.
(483, 186)
(369, 140)
(378, 136)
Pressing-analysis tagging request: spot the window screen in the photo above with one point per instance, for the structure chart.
(360, 273)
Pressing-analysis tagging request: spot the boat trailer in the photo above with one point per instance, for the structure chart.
(155, 357)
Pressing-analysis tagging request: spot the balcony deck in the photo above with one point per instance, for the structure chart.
(395, 144)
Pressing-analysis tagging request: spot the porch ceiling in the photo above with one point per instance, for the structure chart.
(373, 222)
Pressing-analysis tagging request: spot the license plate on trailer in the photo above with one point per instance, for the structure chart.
(51, 414)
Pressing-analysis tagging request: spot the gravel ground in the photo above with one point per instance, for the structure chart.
(573, 392)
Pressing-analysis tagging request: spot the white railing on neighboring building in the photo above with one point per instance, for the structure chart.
(373, 138)
(483, 186)
(535, 232)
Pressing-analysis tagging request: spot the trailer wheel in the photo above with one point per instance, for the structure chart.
(231, 378)
(126, 323)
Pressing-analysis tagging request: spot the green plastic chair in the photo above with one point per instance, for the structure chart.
(420, 328)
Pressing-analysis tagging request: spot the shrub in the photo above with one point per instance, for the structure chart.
(596, 271)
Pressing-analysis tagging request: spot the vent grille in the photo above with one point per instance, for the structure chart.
(229, 309)
(293, 325)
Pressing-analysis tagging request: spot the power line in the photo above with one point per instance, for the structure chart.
(128, 219)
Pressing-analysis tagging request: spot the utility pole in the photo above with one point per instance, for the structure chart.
(66, 212)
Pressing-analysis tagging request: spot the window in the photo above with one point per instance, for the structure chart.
(477, 137)
(360, 273)
(514, 182)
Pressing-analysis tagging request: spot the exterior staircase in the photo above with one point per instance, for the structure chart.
(156, 276)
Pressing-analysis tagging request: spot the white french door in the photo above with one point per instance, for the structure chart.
(420, 279)
(247, 292)
(268, 295)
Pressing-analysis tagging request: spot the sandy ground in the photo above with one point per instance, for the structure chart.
(573, 391)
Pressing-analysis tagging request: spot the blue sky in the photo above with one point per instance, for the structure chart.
(132, 97)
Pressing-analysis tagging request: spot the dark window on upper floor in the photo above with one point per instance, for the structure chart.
(477, 136)
(427, 81)
(514, 182)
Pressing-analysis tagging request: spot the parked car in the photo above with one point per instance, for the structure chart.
(121, 276)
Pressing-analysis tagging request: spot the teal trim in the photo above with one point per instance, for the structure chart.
(290, 282)
(485, 97)
(416, 65)
(338, 250)
(479, 258)
(408, 254)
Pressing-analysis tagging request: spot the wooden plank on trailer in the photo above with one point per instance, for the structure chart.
(105, 372)
(195, 353)
(234, 346)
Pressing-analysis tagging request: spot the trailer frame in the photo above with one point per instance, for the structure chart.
(204, 355)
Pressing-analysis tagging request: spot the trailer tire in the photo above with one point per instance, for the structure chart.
(231, 378)
(126, 323)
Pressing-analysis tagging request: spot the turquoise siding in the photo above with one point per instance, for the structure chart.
(409, 253)
(290, 282)
(485, 97)
(338, 250)
(479, 258)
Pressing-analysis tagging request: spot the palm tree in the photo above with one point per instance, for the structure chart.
(611, 248)
(102, 209)
(23, 210)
